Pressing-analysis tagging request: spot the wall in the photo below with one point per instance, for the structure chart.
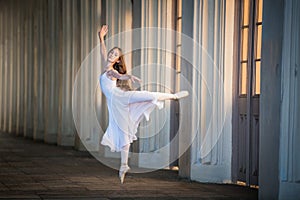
(270, 99)
(279, 174)
(289, 161)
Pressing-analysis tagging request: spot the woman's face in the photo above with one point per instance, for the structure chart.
(114, 55)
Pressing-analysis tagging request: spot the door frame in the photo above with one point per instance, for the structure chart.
(236, 94)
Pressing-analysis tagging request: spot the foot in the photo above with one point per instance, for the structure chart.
(181, 94)
(123, 170)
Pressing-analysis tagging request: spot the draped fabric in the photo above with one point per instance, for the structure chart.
(211, 77)
(209, 60)
(155, 67)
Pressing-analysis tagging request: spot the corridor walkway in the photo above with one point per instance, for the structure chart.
(34, 170)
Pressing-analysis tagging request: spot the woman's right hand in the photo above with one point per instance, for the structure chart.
(103, 31)
(135, 79)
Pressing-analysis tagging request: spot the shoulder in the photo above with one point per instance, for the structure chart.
(112, 72)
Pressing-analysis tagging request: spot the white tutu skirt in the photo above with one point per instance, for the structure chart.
(126, 110)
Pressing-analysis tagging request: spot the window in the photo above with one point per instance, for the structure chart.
(258, 38)
(250, 46)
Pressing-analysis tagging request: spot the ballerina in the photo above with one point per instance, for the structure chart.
(126, 107)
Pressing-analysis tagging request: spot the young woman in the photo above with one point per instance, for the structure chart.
(126, 107)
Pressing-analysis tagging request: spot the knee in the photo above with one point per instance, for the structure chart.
(126, 148)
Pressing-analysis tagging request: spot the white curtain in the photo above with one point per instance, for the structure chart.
(119, 20)
(212, 81)
(209, 30)
(156, 69)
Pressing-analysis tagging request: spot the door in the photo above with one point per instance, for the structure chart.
(248, 90)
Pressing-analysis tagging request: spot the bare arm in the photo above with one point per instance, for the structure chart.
(117, 75)
(101, 34)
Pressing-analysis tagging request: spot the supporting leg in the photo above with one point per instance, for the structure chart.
(124, 154)
(124, 162)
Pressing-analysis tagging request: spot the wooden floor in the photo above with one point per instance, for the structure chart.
(34, 170)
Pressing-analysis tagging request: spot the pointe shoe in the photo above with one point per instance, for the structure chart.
(181, 94)
(122, 172)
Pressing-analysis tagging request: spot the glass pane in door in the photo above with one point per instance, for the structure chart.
(257, 78)
(243, 79)
(245, 44)
(258, 41)
(246, 13)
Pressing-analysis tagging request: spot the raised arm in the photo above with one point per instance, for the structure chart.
(117, 75)
(101, 34)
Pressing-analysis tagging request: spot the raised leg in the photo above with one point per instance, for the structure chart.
(181, 94)
(143, 96)
(164, 96)
(168, 96)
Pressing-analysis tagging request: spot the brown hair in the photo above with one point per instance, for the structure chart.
(120, 66)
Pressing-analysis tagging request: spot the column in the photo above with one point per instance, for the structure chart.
(19, 52)
(66, 135)
(13, 67)
(270, 99)
(29, 72)
(187, 29)
(53, 77)
(39, 18)
(289, 134)
(1, 64)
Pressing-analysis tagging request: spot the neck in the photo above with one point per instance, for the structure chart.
(109, 66)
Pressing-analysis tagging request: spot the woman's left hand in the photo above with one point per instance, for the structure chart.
(102, 32)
